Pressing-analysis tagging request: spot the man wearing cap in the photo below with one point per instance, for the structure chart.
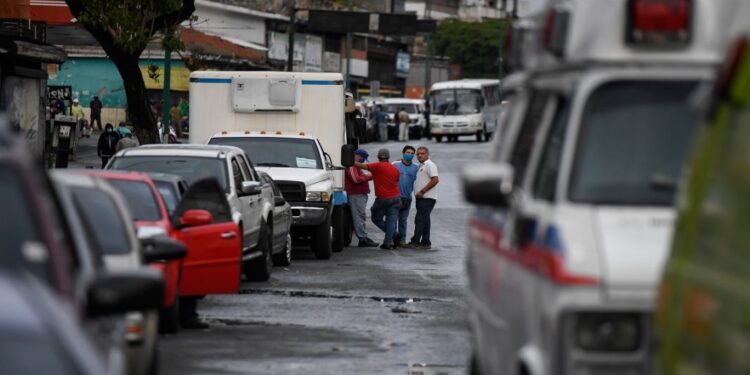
(357, 186)
(387, 196)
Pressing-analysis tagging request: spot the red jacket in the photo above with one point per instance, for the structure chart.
(356, 182)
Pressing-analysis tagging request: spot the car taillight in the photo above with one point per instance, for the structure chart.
(659, 22)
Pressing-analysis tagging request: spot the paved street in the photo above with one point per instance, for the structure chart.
(364, 311)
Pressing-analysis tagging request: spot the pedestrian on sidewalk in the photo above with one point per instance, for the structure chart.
(426, 197)
(96, 113)
(408, 174)
(381, 123)
(107, 144)
(357, 186)
(127, 140)
(402, 117)
(384, 211)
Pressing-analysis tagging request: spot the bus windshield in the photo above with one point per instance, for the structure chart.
(456, 101)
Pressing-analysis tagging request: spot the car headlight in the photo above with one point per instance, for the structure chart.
(608, 332)
(318, 196)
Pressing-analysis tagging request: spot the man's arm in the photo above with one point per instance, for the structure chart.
(361, 165)
(433, 181)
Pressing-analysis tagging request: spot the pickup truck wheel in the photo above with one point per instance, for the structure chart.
(259, 269)
(169, 319)
(321, 241)
(284, 258)
(338, 229)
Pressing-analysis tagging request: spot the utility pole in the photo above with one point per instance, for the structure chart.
(503, 20)
(428, 53)
(290, 32)
(165, 107)
(347, 77)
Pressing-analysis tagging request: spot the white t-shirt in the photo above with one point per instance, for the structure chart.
(427, 170)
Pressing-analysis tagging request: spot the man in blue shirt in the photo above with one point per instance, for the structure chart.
(381, 123)
(408, 174)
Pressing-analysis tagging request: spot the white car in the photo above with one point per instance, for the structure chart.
(250, 199)
(414, 107)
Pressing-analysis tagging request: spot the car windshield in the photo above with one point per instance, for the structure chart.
(456, 101)
(396, 107)
(168, 194)
(190, 169)
(19, 236)
(634, 139)
(102, 221)
(276, 152)
(140, 199)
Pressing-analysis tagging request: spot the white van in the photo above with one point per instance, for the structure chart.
(292, 127)
(465, 107)
(575, 208)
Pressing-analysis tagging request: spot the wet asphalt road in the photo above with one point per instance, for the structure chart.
(365, 311)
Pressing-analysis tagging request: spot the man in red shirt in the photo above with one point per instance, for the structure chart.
(357, 186)
(387, 196)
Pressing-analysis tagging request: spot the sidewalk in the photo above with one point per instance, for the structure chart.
(87, 157)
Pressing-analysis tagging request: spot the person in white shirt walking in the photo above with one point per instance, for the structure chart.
(426, 197)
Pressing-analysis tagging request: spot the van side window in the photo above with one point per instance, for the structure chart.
(524, 144)
(546, 177)
(491, 95)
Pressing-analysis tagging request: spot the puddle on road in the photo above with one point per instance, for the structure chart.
(432, 369)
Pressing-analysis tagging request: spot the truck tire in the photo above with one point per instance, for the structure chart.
(438, 138)
(321, 240)
(284, 258)
(348, 226)
(259, 269)
(337, 222)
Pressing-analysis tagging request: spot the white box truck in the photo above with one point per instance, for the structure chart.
(292, 126)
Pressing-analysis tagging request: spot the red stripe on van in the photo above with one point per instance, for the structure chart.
(533, 257)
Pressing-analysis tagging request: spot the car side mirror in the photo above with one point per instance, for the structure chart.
(347, 155)
(488, 184)
(195, 218)
(279, 201)
(251, 188)
(121, 292)
(162, 248)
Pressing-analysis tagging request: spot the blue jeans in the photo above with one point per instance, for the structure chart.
(422, 221)
(358, 205)
(384, 215)
(403, 216)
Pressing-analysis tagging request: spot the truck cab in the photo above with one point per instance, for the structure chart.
(293, 127)
(575, 207)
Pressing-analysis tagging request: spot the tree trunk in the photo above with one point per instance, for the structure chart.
(139, 108)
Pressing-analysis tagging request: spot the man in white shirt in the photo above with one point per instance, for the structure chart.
(426, 196)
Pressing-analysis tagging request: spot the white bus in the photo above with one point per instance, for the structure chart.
(465, 107)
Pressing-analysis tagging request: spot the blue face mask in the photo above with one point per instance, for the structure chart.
(408, 157)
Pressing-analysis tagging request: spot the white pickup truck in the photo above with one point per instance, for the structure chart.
(291, 126)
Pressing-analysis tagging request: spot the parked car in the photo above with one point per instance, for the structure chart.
(207, 232)
(171, 188)
(415, 109)
(702, 308)
(282, 225)
(40, 242)
(39, 336)
(100, 218)
(251, 202)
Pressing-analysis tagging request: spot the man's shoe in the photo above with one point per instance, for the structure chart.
(425, 246)
(387, 247)
(401, 243)
(367, 243)
(194, 324)
(411, 245)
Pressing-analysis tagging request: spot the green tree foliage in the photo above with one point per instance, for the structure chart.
(472, 45)
(124, 28)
